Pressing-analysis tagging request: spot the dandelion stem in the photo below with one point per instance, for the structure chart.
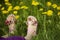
(45, 34)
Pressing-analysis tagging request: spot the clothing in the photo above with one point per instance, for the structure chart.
(1, 38)
(13, 38)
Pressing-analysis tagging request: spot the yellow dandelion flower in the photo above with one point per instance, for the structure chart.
(24, 7)
(9, 8)
(41, 9)
(15, 12)
(35, 3)
(16, 8)
(4, 12)
(7, 3)
(44, 13)
(54, 5)
(6, 0)
(49, 4)
(58, 8)
(58, 13)
(2, 8)
(49, 12)
(17, 16)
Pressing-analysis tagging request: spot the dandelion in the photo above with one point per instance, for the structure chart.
(24, 7)
(58, 13)
(7, 3)
(49, 4)
(41, 9)
(6, 0)
(2, 8)
(16, 8)
(15, 12)
(9, 8)
(58, 8)
(54, 5)
(35, 3)
(5, 12)
(44, 13)
(49, 12)
(17, 16)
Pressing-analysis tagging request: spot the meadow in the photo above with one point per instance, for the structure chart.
(47, 13)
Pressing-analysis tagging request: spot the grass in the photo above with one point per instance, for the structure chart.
(48, 26)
